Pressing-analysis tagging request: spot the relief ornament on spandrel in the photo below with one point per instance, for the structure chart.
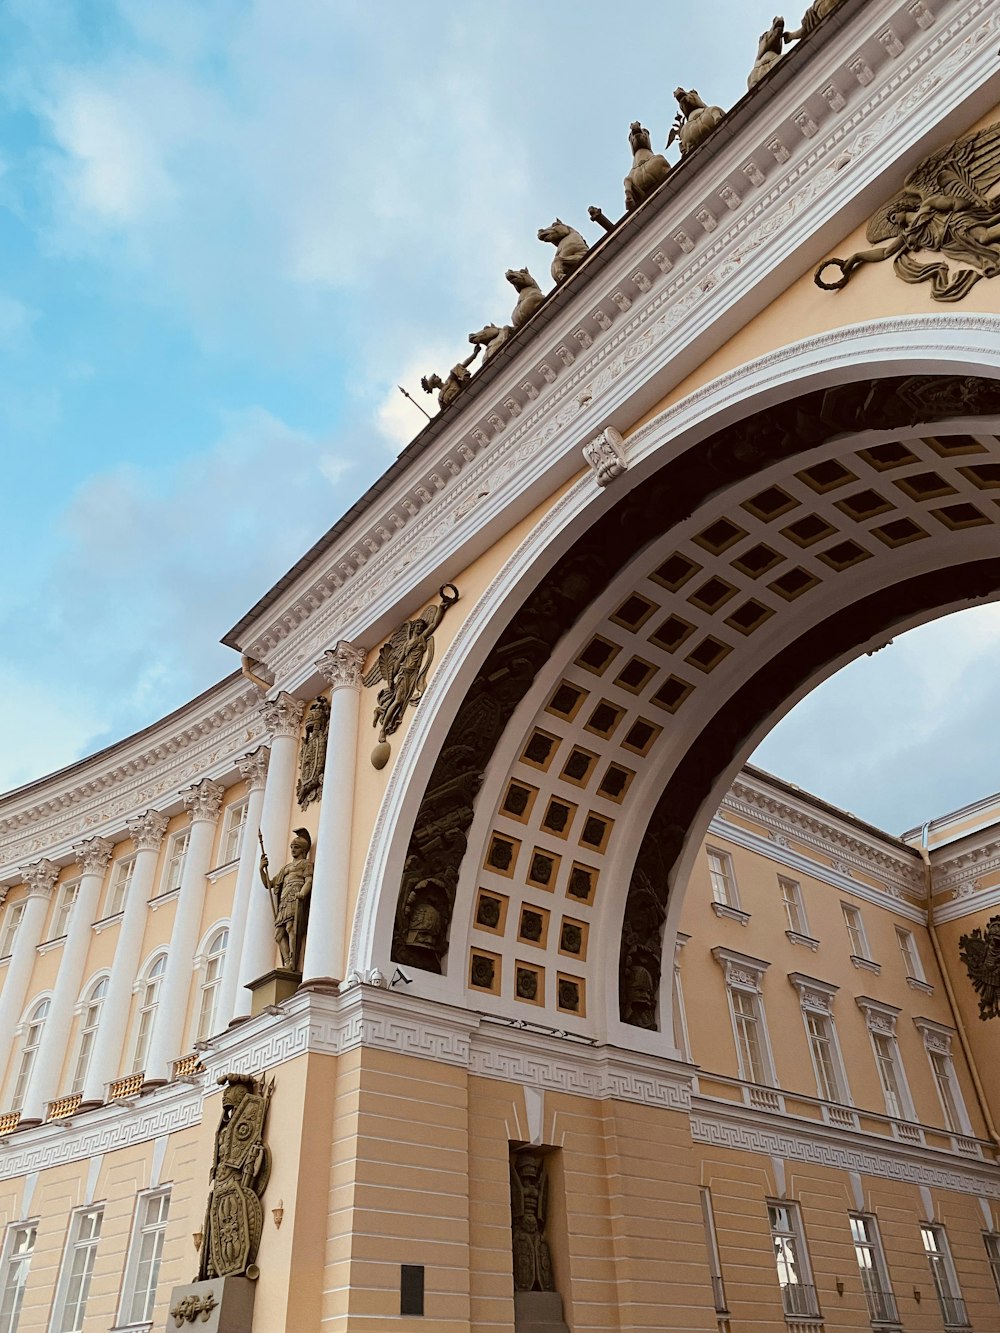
(980, 952)
(948, 211)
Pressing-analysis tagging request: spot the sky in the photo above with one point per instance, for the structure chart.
(228, 229)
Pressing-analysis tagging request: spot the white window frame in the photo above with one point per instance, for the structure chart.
(146, 1011)
(913, 966)
(725, 892)
(234, 831)
(934, 1239)
(14, 1269)
(854, 924)
(712, 1245)
(210, 963)
(794, 905)
(791, 1257)
(874, 1271)
(121, 883)
(937, 1044)
(145, 1253)
(881, 1021)
(69, 1310)
(89, 1013)
(991, 1239)
(62, 913)
(744, 976)
(816, 1002)
(12, 919)
(682, 1039)
(31, 1029)
(173, 864)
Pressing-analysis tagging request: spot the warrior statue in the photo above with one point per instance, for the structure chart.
(529, 1196)
(450, 388)
(290, 889)
(313, 757)
(241, 1164)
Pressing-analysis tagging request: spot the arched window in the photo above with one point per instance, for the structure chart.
(215, 956)
(33, 1029)
(90, 1016)
(149, 996)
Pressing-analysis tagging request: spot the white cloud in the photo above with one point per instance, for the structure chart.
(16, 320)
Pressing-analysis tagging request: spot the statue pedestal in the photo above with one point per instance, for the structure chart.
(222, 1305)
(539, 1312)
(272, 988)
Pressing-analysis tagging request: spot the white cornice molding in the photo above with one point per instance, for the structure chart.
(675, 291)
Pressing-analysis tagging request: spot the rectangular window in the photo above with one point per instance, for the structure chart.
(712, 1243)
(11, 921)
(748, 1019)
(142, 1269)
(912, 967)
(19, 1244)
(874, 1274)
(795, 913)
(855, 930)
(951, 1103)
(77, 1270)
(890, 1073)
(798, 1295)
(64, 910)
(935, 1242)
(826, 1061)
(991, 1240)
(174, 869)
(720, 872)
(232, 836)
(121, 882)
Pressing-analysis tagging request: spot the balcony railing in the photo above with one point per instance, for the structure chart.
(186, 1066)
(64, 1106)
(953, 1311)
(9, 1122)
(799, 1299)
(881, 1306)
(129, 1086)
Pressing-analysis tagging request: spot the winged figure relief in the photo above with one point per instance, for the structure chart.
(402, 665)
(949, 207)
(980, 952)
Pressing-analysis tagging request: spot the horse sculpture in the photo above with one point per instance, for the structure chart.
(529, 295)
(694, 121)
(768, 50)
(649, 169)
(812, 18)
(491, 337)
(571, 249)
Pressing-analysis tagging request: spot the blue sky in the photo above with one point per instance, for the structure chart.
(227, 230)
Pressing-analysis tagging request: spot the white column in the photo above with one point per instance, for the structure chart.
(92, 857)
(40, 879)
(253, 768)
(147, 833)
(325, 935)
(203, 800)
(281, 717)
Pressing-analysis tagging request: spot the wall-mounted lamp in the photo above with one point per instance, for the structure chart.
(840, 1286)
(278, 1213)
(197, 1237)
(916, 1294)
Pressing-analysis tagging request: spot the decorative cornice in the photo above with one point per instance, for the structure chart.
(739, 968)
(341, 666)
(204, 800)
(40, 878)
(282, 715)
(879, 1016)
(814, 994)
(93, 854)
(253, 767)
(937, 1036)
(147, 830)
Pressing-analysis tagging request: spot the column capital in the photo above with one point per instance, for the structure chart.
(40, 878)
(253, 767)
(93, 854)
(283, 714)
(204, 800)
(341, 666)
(147, 830)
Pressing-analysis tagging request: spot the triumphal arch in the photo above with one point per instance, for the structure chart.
(577, 1022)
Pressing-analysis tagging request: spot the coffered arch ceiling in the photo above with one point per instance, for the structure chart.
(550, 848)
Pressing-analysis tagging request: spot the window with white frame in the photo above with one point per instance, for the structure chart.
(232, 831)
(935, 1242)
(19, 1245)
(798, 1295)
(174, 868)
(712, 1245)
(64, 910)
(34, 1028)
(912, 966)
(872, 1267)
(77, 1270)
(816, 999)
(121, 882)
(881, 1021)
(149, 997)
(215, 957)
(937, 1043)
(720, 872)
(90, 1017)
(11, 921)
(142, 1267)
(680, 1018)
(743, 982)
(791, 899)
(991, 1241)
(855, 930)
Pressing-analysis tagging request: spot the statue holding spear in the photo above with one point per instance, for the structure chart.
(289, 890)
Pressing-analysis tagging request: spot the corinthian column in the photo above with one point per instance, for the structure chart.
(40, 879)
(92, 857)
(203, 800)
(147, 833)
(324, 956)
(281, 717)
(253, 768)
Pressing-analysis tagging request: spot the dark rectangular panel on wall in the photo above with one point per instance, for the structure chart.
(411, 1289)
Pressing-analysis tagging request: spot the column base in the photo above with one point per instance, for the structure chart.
(92, 1105)
(538, 1312)
(151, 1084)
(324, 985)
(219, 1305)
(272, 988)
(29, 1122)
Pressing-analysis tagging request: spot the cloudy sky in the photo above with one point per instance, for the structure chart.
(228, 228)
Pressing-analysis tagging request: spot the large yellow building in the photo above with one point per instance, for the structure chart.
(554, 917)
